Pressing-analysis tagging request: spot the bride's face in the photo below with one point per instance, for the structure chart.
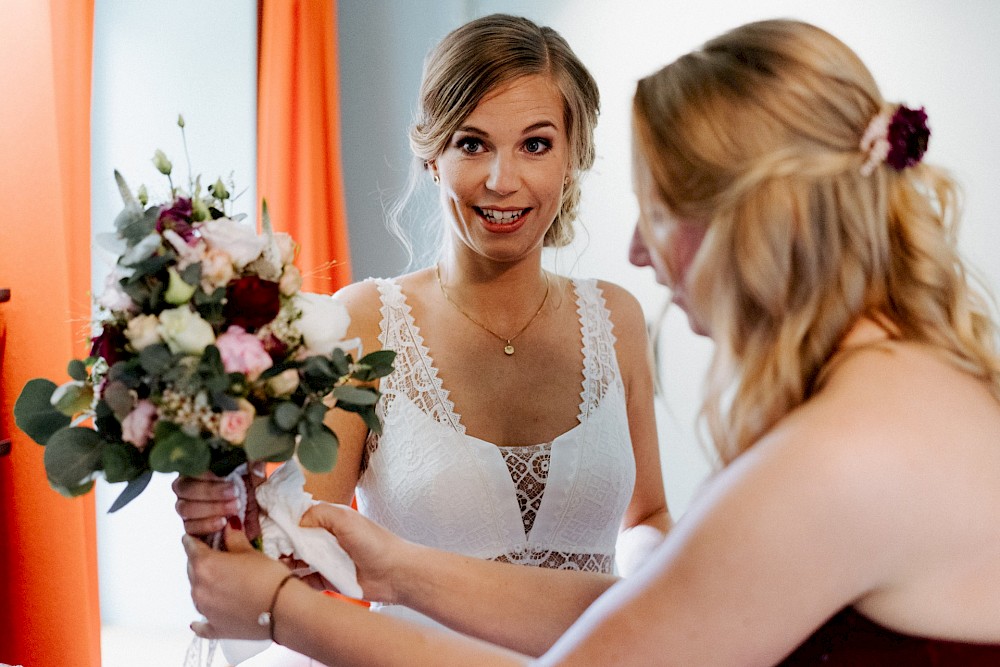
(664, 241)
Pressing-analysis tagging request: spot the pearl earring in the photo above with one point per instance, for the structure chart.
(436, 179)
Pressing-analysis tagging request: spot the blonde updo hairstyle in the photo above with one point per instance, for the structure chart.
(758, 133)
(486, 54)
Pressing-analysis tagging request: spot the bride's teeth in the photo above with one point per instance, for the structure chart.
(502, 217)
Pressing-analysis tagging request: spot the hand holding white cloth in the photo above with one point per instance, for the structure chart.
(283, 501)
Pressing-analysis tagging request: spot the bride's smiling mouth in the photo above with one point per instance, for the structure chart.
(496, 216)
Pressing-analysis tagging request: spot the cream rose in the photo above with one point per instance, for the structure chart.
(143, 331)
(284, 383)
(291, 280)
(185, 331)
(216, 270)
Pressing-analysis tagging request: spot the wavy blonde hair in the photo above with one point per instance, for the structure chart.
(758, 133)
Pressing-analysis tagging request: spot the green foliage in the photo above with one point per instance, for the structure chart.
(317, 447)
(35, 415)
(176, 451)
(266, 441)
(72, 456)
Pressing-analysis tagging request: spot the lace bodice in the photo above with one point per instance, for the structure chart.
(555, 504)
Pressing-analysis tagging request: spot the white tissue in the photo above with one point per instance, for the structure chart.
(283, 501)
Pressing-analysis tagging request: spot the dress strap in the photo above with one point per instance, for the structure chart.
(600, 363)
(415, 375)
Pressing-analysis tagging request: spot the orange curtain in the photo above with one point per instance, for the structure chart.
(298, 135)
(49, 612)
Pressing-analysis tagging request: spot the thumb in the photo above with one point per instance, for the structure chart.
(322, 515)
(235, 539)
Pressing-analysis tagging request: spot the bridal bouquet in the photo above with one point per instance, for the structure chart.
(207, 355)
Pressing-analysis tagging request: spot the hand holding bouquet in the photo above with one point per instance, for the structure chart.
(206, 354)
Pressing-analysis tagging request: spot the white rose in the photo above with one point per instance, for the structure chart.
(185, 331)
(323, 323)
(143, 331)
(236, 239)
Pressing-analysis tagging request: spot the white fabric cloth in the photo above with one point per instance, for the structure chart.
(283, 500)
(430, 482)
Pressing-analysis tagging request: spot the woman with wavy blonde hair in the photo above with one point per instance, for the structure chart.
(854, 399)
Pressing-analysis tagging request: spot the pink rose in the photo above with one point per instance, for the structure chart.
(234, 424)
(137, 427)
(243, 353)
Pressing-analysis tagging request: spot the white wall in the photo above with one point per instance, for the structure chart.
(152, 61)
(923, 52)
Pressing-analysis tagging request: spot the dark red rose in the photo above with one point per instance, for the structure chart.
(275, 347)
(109, 344)
(178, 218)
(908, 135)
(251, 302)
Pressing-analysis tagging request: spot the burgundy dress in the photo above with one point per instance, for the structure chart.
(852, 640)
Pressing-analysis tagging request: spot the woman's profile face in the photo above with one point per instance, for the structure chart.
(663, 241)
(503, 171)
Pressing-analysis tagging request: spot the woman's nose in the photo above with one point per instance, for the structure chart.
(638, 253)
(504, 177)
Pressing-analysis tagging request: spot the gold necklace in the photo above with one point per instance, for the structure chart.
(509, 342)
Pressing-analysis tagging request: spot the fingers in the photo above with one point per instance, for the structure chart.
(236, 540)
(203, 503)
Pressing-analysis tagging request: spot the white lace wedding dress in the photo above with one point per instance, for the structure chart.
(557, 504)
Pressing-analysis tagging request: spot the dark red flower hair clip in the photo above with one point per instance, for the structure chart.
(898, 138)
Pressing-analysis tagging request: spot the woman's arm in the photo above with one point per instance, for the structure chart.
(233, 588)
(523, 608)
(647, 518)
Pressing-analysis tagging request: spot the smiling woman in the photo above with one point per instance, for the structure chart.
(472, 458)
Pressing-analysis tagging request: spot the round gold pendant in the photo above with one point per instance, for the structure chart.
(509, 350)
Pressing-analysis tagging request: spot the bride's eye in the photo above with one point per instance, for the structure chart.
(537, 145)
(470, 145)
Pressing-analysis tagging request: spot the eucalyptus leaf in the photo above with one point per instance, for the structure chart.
(176, 451)
(286, 415)
(266, 442)
(317, 449)
(318, 374)
(73, 490)
(340, 361)
(121, 462)
(117, 396)
(72, 456)
(132, 490)
(356, 395)
(316, 412)
(371, 419)
(380, 362)
(155, 359)
(77, 370)
(35, 415)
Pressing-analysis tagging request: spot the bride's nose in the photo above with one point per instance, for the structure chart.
(504, 176)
